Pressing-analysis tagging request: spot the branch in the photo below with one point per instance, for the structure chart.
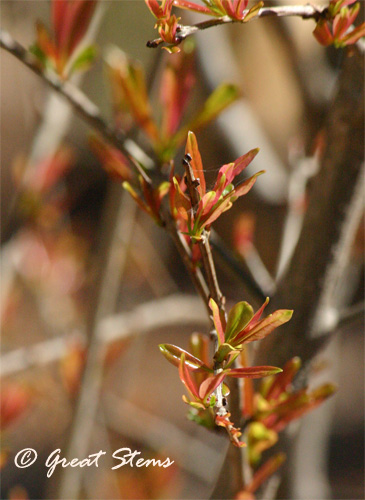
(333, 203)
(204, 245)
(177, 309)
(303, 11)
(85, 108)
(90, 113)
(234, 454)
(111, 268)
(93, 370)
(185, 254)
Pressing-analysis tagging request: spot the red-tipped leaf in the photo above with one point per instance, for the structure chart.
(210, 384)
(173, 354)
(217, 321)
(186, 379)
(253, 372)
(196, 162)
(265, 326)
(256, 317)
(242, 162)
(284, 380)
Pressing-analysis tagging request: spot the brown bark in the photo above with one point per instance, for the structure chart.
(330, 197)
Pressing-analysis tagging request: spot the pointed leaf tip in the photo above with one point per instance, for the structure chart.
(217, 321)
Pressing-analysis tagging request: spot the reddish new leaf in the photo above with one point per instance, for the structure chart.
(173, 354)
(256, 317)
(265, 471)
(242, 162)
(196, 161)
(265, 326)
(245, 186)
(283, 381)
(199, 346)
(253, 372)
(79, 17)
(186, 379)
(210, 384)
(217, 321)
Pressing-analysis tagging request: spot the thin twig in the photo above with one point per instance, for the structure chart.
(88, 111)
(177, 309)
(237, 266)
(204, 245)
(93, 371)
(185, 254)
(234, 455)
(114, 258)
(303, 11)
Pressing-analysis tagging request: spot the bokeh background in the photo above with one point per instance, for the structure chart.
(87, 261)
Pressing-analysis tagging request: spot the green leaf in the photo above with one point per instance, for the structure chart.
(38, 53)
(238, 317)
(253, 12)
(219, 208)
(225, 390)
(218, 101)
(223, 351)
(186, 378)
(201, 417)
(171, 49)
(84, 59)
(193, 404)
(173, 354)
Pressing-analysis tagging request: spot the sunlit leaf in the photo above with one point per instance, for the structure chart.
(127, 186)
(218, 101)
(196, 161)
(186, 379)
(265, 326)
(210, 384)
(238, 317)
(199, 346)
(253, 12)
(245, 186)
(84, 59)
(217, 321)
(193, 404)
(253, 371)
(224, 350)
(173, 354)
(284, 379)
